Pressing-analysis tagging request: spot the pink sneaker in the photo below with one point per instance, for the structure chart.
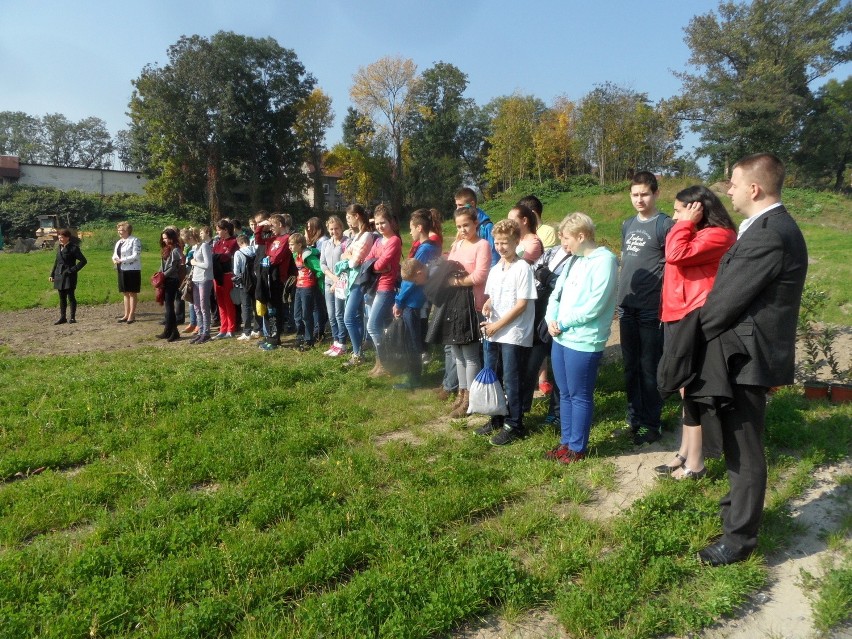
(336, 351)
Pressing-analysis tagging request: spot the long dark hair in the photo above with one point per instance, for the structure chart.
(172, 234)
(715, 213)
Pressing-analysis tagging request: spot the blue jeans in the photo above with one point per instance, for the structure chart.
(641, 349)
(509, 361)
(381, 314)
(247, 310)
(451, 377)
(303, 314)
(353, 318)
(335, 308)
(414, 328)
(576, 373)
(320, 313)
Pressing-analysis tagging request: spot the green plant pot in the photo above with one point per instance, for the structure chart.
(816, 390)
(841, 393)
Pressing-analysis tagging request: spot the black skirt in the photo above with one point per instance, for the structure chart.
(129, 281)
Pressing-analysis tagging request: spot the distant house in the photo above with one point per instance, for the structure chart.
(334, 200)
(99, 181)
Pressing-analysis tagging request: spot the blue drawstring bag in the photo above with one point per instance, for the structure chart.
(486, 394)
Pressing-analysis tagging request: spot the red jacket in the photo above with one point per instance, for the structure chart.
(692, 259)
(277, 250)
(387, 252)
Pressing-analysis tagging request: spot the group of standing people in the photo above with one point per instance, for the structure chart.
(704, 310)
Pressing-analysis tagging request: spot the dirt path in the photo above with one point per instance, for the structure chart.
(780, 610)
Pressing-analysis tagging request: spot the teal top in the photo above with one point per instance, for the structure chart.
(583, 301)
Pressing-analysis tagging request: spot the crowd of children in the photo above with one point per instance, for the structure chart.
(344, 284)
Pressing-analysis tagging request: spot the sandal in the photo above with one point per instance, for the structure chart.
(665, 469)
(688, 473)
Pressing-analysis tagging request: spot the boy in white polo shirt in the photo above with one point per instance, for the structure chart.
(508, 326)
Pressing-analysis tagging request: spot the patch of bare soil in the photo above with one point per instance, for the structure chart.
(31, 331)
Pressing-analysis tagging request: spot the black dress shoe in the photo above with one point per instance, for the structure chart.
(72, 321)
(719, 554)
(121, 321)
(61, 320)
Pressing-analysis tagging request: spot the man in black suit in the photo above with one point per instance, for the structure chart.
(754, 303)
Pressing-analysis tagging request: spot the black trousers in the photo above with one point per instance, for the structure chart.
(742, 442)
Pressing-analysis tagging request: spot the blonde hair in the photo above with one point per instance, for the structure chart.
(576, 223)
(410, 268)
(507, 228)
(124, 225)
(298, 238)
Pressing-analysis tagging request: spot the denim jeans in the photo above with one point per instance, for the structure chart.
(303, 314)
(353, 318)
(451, 376)
(381, 314)
(413, 326)
(468, 362)
(335, 308)
(509, 361)
(320, 313)
(247, 310)
(201, 302)
(641, 349)
(576, 373)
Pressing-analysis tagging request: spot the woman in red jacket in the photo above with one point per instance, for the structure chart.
(702, 234)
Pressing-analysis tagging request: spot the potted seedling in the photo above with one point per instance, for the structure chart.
(841, 388)
(812, 302)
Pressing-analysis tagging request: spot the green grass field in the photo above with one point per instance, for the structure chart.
(227, 492)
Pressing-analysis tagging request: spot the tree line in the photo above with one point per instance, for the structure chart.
(230, 120)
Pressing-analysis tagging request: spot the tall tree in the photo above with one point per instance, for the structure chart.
(19, 135)
(436, 166)
(511, 155)
(619, 132)
(754, 63)
(826, 143)
(554, 140)
(314, 119)
(383, 91)
(222, 111)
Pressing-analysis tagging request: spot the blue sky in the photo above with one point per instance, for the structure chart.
(79, 58)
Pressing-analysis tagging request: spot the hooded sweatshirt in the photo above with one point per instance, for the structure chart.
(583, 301)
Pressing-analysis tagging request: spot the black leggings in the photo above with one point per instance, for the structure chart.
(66, 295)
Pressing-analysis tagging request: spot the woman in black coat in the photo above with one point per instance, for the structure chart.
(69, 260)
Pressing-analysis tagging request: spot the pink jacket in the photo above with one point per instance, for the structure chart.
(476, 259)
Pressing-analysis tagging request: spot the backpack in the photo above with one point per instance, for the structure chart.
(249, 278)
(545, 281)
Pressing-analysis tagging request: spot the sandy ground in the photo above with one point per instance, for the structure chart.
(779, 610)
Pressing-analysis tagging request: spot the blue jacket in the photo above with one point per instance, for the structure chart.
(410, 294)
(483, 230)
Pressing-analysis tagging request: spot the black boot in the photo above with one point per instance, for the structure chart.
(61, 320)
(174, 335)
(164, 335)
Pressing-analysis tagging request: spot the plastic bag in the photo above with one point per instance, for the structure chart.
(486, 394)
(394, 348)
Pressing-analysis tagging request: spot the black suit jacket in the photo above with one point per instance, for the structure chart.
(756, 296)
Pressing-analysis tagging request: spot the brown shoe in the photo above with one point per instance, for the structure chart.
(378, 370)
(443, 394)
(461, 405)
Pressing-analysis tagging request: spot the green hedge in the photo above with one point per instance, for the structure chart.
(21, 205)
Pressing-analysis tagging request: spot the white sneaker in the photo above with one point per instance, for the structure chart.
(255, 335)
(330, 349)
(336, 351)
(243, 338)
